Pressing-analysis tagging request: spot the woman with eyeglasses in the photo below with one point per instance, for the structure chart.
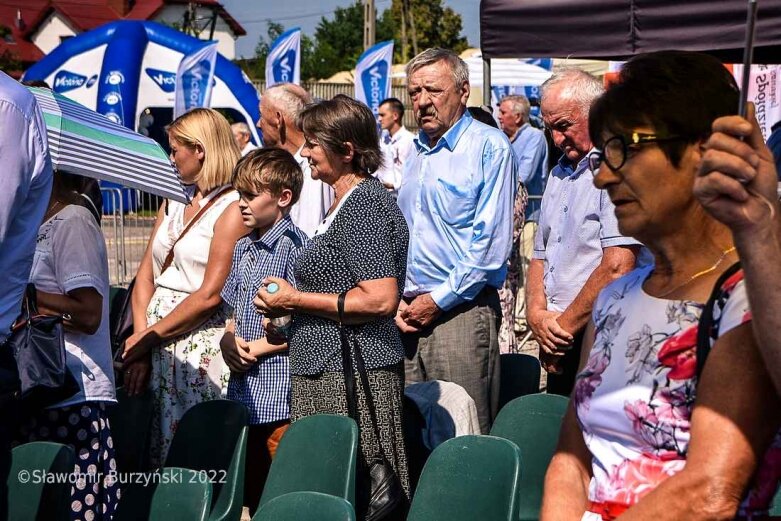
(653, 430)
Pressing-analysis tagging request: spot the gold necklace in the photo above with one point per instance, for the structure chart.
(700, 273)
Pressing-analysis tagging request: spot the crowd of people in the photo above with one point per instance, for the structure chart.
(348, 249)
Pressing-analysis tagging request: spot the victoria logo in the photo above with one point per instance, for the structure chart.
(194, 81)
(283, 67)
(66, 80)
(375, 81)
(164, 79)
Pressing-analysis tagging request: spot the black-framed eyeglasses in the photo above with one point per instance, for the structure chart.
(615, 150)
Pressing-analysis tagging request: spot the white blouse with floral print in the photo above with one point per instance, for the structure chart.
(635, 395)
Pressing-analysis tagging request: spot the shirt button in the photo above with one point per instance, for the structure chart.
(566, 208)
(558, 239)
(551, 269)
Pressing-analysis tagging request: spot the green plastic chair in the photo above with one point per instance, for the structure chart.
(173, 495)
(519, 376)
(317, 454)
(306, 506)
(775, 506)
(468, 478)
(212, 437)
(130, 420)
(29, 498)
(532, 422)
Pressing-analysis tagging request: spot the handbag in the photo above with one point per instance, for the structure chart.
(121, 316)
(37, 343)
(385, 495)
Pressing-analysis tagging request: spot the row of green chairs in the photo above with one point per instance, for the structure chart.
(209, 446)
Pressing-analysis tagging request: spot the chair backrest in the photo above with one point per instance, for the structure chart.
(212, 437)
(178, 495)
(467, 478)
(130, 419)
(317, 454)
(306, 506)
(533, 423)
(519, 376)
(30, 496)
(775, 505)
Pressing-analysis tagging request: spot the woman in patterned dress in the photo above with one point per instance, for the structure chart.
(70, 273)
(178, 314)
(361, 249)
(647, 436)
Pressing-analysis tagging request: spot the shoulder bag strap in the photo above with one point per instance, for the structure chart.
(706, 319)
(170, 257)
(349, 376)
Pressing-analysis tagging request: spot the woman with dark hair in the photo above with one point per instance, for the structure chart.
(358, 254)
(70, 273)
(657, 430)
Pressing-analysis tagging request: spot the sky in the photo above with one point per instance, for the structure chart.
(252, 15)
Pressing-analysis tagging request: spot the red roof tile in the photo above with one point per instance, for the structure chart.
(83, 15)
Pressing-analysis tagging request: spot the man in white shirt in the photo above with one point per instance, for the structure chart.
(279, 109)
(25, 187)
(243, 137)
(396, 143)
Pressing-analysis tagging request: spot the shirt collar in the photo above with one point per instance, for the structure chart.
(519, 132)
(574, 170)
(270, 238)
(449, 139)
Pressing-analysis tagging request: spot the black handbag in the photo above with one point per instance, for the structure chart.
(37, 343)
(385, 497)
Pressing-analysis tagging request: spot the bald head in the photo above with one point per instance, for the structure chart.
(280, 106)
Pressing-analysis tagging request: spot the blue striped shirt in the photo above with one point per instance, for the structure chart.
(265, 388)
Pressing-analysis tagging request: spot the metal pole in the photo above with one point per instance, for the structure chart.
(486, 81)
(369, 19)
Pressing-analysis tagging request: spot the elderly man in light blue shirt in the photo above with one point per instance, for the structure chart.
(529, 145)
(578, 249)
(25, 187)
(457, 194)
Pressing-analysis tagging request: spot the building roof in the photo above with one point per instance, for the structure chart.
(24, 17)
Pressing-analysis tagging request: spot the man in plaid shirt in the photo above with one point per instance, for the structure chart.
(269, 182)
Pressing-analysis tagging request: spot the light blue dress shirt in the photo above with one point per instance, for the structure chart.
(531, 151)
(577, 221)
(25, 187)
(457, 198)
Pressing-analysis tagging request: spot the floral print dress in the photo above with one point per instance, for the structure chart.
(634, 397)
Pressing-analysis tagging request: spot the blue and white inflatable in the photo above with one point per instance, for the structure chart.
(123, 68)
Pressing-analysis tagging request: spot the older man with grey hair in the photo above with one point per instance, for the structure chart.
(578, 249)
(280, 106)
(457, 195)
(243, 138)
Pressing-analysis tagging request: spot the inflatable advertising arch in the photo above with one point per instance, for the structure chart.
(126, 70)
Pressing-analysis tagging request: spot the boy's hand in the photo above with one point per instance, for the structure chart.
(235, 352)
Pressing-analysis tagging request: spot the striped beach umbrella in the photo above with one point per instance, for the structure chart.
(84, 142)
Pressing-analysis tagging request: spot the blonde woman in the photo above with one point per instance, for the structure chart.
(178, 313)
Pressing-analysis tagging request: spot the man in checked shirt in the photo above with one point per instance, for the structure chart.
(269, 182)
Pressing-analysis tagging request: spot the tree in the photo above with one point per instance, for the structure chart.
(339, 42)
(428, 22)
(9, 61)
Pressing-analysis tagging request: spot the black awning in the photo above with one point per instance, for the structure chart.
(619, 29)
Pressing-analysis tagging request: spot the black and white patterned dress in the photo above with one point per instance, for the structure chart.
(367, 240)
